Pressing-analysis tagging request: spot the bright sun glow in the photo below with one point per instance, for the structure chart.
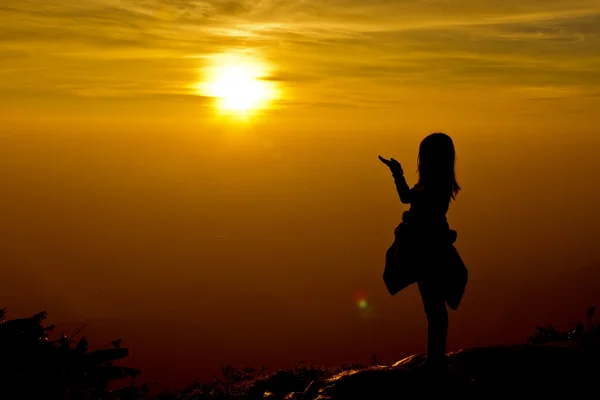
(238, 84)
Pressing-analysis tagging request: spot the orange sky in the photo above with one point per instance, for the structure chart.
(131, 202)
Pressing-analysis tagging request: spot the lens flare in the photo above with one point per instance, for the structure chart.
(360, 299)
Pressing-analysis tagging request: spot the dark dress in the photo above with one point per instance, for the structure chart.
(430, 235)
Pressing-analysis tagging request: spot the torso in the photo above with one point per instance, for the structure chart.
(428, 210)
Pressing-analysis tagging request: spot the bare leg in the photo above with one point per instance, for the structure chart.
(437, 319)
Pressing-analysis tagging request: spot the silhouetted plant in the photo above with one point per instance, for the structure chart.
(374, 361)
(231, 376)
(348, 366)
(550, 334)
(248, 373)
(32, 366)
(589, 315)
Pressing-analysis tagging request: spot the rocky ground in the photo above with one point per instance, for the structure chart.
(545, 368)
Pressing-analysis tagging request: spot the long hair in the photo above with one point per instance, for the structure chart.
(436, 165)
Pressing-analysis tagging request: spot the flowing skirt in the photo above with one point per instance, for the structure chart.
(426, 255)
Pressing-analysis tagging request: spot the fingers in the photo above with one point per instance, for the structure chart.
(392, 163)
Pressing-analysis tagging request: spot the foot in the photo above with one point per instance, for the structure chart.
(435, 362)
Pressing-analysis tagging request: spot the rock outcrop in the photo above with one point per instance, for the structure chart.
(542, 367)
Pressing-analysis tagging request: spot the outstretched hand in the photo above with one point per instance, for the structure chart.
(392, 164)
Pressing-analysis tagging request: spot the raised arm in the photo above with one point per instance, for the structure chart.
(404, 190)
(402, 187)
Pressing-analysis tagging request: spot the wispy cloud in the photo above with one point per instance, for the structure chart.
(121, 47)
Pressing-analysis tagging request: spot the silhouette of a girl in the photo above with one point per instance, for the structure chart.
(429, 201)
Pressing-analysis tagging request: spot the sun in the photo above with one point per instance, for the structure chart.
(238, 84)
(238, 88)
